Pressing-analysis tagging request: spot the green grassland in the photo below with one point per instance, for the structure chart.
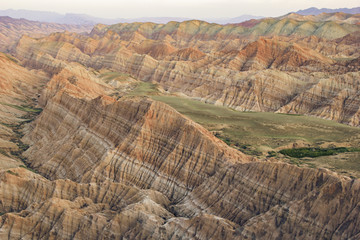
(23, 108)
(144, 89)
(264, 134)
(117, 76)
(260, 128)
(30, 113)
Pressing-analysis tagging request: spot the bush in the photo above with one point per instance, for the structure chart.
(271, 154)
(12, 173)
(315, 152)
(27, 168)
(2, 151)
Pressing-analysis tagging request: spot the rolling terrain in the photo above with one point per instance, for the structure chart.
(297, 72)
(11, 30)
(316, 11)
(339, 17)
(136, 168)
(174, 131)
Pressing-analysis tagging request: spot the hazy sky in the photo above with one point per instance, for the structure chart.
(175, 8)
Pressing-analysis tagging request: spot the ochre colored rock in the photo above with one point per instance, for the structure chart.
(285, 73)
(134, 168)
(127, 134)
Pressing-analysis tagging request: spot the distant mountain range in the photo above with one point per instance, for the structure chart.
(53, 17)
(316, 11)
(84, 19)
(239, 19)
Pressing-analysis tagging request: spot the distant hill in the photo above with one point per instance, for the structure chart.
(12, 29)
(84, 19)
(316, 11)
(338, 17)
(239, 19)
(53, 17)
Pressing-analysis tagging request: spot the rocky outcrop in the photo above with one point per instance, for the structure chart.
(125, 146)
(75, 79)
(24, 83)
(335, 98)
(135, 168)
(157, 147)
(271, 200)
(252, 200)
(64, 209)
(19, 89)
(266, 53)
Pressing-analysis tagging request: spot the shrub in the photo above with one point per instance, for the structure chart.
(315, 152)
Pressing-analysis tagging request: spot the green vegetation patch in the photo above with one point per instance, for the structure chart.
(24, 108)
(11, 58)
(30, 115)
(316, 152)
(144, 89)
(263, 133)
(258, 129)
(27, 168)
(12, 173)
(118, 76)
(2, 151)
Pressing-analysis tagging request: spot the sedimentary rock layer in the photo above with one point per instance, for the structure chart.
(134, 168)
(270, 74)
(136, 141)
(18, 88)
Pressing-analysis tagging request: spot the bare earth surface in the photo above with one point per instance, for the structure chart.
(137, 131)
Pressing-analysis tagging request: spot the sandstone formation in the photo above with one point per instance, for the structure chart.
(93, 166)
(158, 147)
(135, 168)
(221, 64)
(17, 87)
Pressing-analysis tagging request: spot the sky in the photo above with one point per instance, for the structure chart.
(175, 8)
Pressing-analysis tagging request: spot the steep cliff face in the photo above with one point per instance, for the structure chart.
(155, 146)
(264, 53)
(335, 98)
(251, 200)
(277, 73)
(76, 80)
(221, 199)
(19, 90)
(117, 148)
(63, 209)
(17, 81)
(309, 219)
(271, 201)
